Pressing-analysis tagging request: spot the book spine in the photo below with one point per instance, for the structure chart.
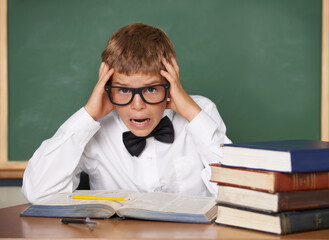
(301, 181)
(302, 221)
(310, 160)
(288, 201)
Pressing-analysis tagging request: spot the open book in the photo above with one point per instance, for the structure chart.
(151, 206)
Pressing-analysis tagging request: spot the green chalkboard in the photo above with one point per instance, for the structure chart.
(258, 60)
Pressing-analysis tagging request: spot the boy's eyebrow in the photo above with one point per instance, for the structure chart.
(153, 82)
(120, 84)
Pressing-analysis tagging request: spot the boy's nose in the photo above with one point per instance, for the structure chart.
(137, 102)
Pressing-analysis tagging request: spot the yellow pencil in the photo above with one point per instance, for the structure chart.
(98, 198)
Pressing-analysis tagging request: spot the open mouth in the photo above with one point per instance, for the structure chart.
(140, 121)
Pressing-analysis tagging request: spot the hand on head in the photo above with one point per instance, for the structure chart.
(98, 105)
(180, 101)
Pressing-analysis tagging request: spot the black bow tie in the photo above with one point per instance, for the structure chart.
(164, 132)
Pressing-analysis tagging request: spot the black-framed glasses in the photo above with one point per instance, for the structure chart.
(152, 94)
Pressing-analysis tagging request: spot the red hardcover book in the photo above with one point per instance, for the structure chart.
(269, 181)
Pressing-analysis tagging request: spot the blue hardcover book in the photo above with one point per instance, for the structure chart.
(282, 156)
(277, 223)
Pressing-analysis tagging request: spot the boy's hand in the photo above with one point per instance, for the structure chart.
(99, 105)
(180, 101)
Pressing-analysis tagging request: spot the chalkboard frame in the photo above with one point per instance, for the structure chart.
(15, 169)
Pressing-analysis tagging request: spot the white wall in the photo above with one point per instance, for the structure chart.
(11, 196)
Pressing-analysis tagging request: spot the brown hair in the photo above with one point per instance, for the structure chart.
(138, 48)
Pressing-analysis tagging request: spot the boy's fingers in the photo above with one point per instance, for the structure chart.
(172, 69)
(101, 69)
(169, 67)
(175, 64)
(103, 80)
(104, 71)
(168, 76)
(107, 75)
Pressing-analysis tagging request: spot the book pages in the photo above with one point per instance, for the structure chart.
(166, 202)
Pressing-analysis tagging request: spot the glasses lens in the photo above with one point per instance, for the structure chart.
(154, 94)
(120, 95)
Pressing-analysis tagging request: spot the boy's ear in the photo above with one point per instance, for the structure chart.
(168, 101)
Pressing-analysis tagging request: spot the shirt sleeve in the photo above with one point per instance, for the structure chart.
(53, 167)
(208, 132)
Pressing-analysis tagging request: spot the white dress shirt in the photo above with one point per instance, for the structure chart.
(96, 147)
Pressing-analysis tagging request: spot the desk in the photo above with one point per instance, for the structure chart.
(14, 226)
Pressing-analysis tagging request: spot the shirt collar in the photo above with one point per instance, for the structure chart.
(169, 113)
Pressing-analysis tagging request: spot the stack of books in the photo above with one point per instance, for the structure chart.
(278, 187)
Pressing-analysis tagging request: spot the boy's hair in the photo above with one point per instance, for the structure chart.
(138, 48)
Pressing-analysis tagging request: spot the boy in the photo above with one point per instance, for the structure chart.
(143, 98)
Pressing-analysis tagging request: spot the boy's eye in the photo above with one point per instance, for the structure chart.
(124, 90)
(150, 90)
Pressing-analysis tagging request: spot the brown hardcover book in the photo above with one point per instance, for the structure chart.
(273, 202)
(267, 180)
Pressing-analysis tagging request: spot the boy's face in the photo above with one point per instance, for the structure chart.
(141, 118)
